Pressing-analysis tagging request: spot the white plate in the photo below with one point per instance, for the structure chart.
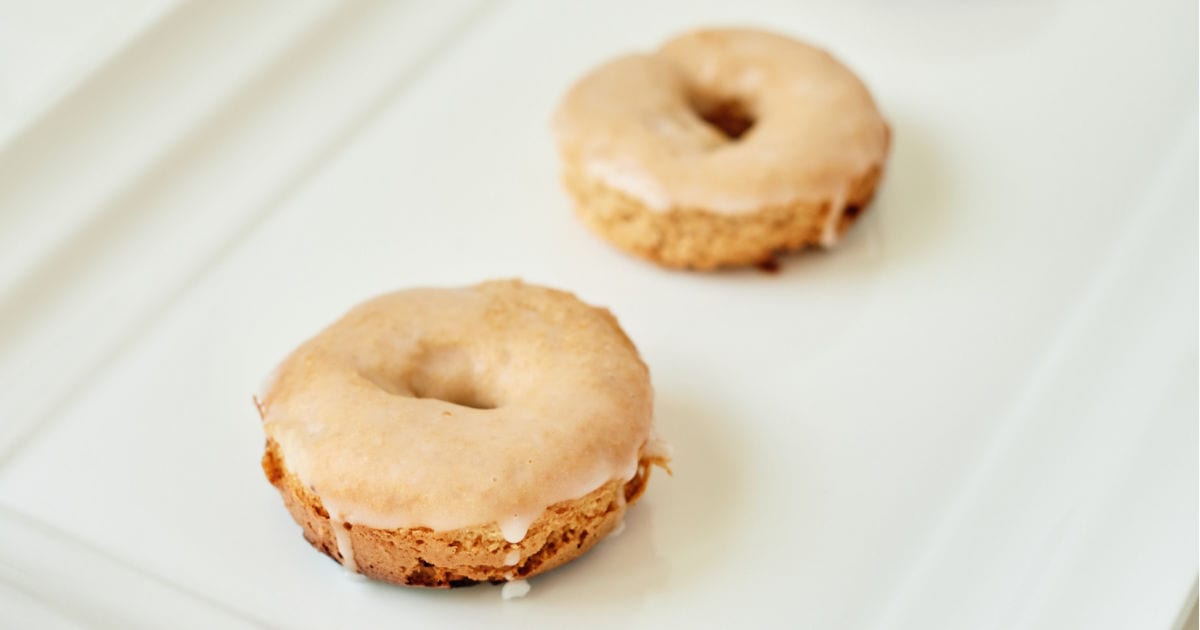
(979, 412)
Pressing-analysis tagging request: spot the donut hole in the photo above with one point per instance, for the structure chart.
(448, 374)
(459, 393)
(730, 116)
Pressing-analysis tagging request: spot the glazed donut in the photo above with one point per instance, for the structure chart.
(725, 147)
(442, 437)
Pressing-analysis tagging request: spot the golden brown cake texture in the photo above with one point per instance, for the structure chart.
(443, 437)
(420, 556)
(723, 148)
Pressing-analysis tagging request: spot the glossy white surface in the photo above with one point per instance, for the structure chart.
(980, 411)
(47, 48)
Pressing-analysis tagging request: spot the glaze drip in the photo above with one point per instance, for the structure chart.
(453, 408)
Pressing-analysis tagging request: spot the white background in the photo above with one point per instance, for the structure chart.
(979, 412)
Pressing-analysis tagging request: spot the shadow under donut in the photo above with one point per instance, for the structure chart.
(911, 210)
(677, 532)
(681, 528)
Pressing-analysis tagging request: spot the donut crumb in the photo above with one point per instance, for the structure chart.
(692, 238)
(271, 467)
(464, 557)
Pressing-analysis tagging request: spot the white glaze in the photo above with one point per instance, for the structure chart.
(833, 219)
(569, 417)
(632, 124)
(516, 527)
(514, 589)
(631, 180)
(656, 447)
(345, 549)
